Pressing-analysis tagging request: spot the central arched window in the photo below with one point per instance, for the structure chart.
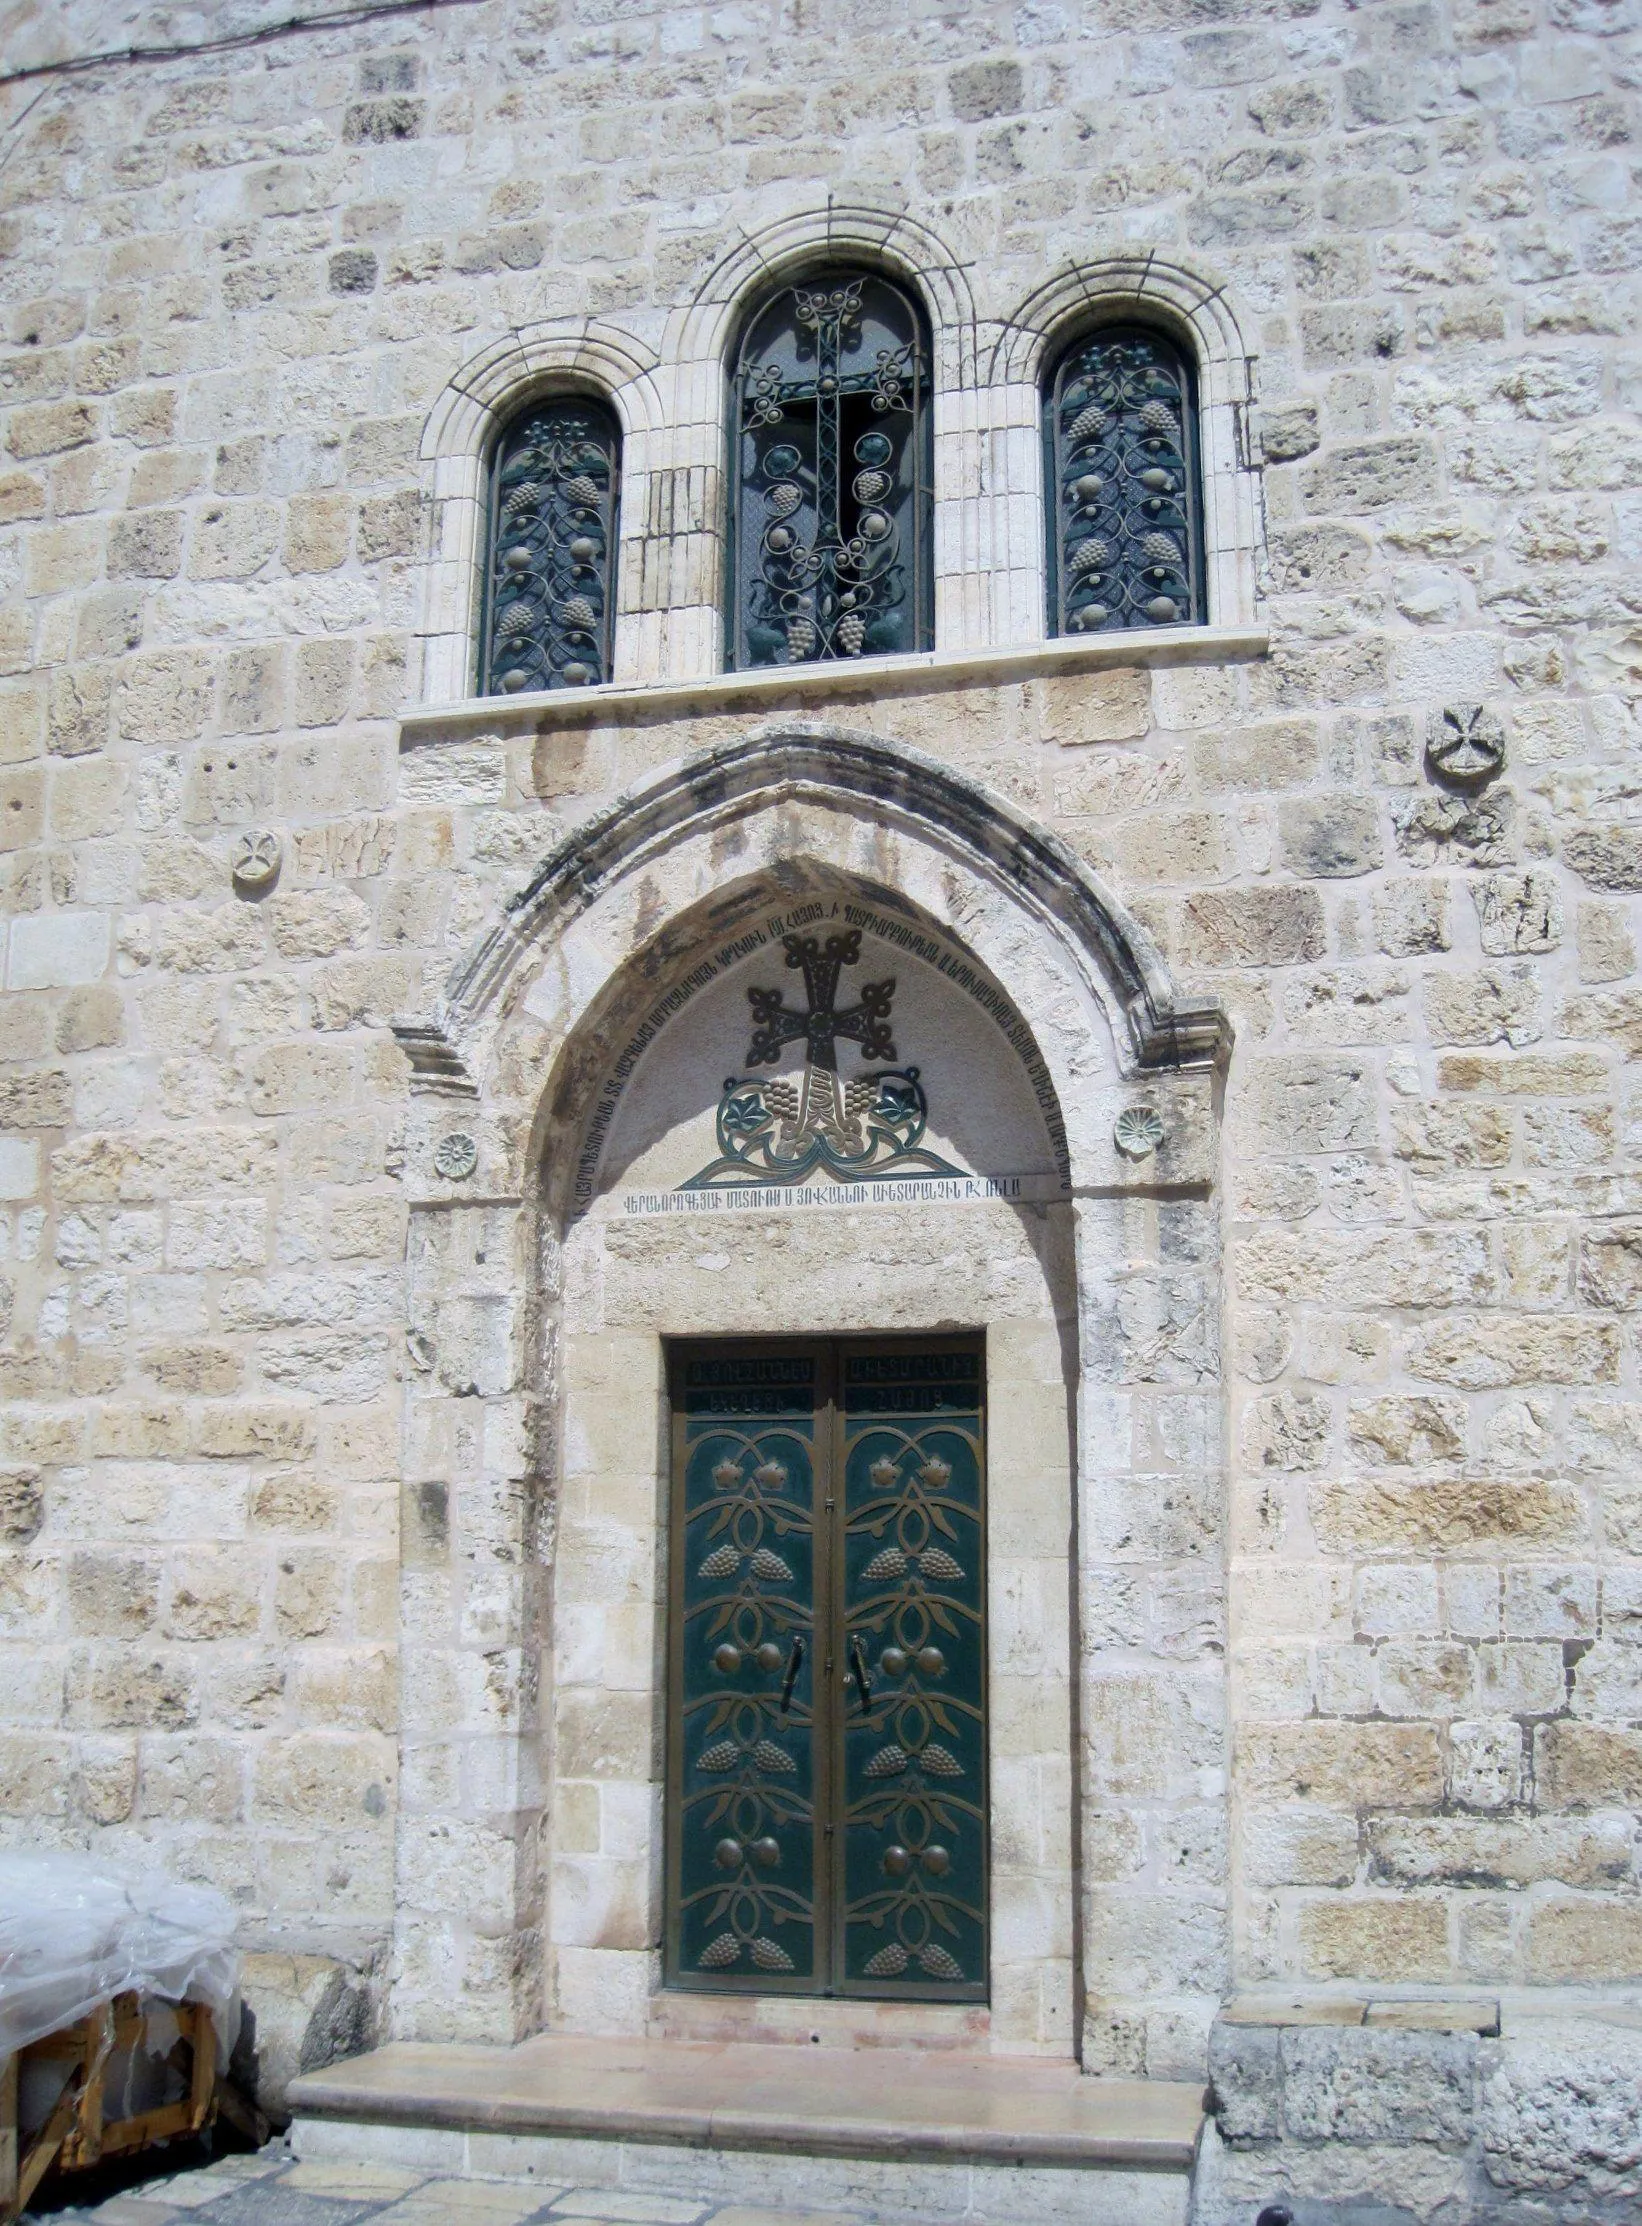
(830, 547)
(552, 542)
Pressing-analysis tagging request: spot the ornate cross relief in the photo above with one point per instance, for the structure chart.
(778, 1128)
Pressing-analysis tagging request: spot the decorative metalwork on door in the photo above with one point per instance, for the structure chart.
(827, 1802)
(831, 510)
(552, 542)
(1120, 425)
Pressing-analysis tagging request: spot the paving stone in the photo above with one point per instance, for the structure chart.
(640, 2210)
(270, 2203)
(352, 2183)
(746, 2217)
(472, 2202)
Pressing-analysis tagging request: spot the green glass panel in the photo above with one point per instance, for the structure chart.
(744, 1780)
(913, 1779)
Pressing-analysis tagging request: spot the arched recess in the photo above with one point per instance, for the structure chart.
(528, 1885)
(1195, 309)
(565, 353)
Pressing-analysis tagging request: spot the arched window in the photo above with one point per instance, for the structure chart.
(550, 576)
(1126, 536)
(830, 510)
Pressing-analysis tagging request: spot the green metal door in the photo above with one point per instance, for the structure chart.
(826, 1783)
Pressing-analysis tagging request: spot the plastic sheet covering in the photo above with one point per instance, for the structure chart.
(74, 1931)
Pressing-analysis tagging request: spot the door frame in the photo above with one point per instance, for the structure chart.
(829, 1858)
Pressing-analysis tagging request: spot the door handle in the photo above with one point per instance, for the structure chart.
(863, 1683)
(791, 1678)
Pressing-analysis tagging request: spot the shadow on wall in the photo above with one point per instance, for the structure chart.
(302, 2012)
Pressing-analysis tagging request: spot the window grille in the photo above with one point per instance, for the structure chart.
(1126, 539)
(830, 510)
(550, 576)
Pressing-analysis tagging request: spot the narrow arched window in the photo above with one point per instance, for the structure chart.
(830, 510)
(551, 563)
(1126, 537)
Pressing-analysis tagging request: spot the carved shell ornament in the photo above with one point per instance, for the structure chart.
(1464, 744)
(1138, 1131)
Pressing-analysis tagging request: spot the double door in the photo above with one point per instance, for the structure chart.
(826, 1781)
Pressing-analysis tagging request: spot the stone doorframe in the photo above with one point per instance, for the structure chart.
(503, 1078)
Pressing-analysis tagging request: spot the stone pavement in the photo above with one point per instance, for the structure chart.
(273, 2189)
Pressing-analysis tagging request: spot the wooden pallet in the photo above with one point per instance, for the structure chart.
(78, 2133)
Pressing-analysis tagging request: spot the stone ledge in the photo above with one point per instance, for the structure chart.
(780, 685)
(1402, 2013)
(870, 2103)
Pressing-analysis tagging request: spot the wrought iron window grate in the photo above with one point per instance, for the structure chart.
(1126, 543)
(549, 580)
(830, 515)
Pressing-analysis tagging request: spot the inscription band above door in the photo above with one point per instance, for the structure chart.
(827, 1752)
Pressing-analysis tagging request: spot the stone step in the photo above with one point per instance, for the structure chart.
(933, 2138)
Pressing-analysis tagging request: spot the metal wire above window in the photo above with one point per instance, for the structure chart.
(830, 512)
(1120, 434)
(550, 575)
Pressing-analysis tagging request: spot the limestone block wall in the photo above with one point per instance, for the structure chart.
(236, 285)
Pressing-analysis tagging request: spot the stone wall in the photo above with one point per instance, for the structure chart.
(237, 288)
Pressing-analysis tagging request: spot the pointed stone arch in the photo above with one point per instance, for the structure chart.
(1026, 866)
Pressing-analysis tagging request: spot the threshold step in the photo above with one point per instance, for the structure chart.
(915, 2134)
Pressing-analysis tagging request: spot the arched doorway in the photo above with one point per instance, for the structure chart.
(601, 1054)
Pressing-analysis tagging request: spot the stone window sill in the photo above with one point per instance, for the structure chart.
(878, 676)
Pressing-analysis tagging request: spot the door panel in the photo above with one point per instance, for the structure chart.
(913, 1779)
(827, 1677)
(744, 1787)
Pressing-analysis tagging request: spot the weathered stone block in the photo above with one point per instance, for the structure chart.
(1252, 927)
(1366, 2084)
(1411, 917)
(1245, 2073)
(1607, 950)
(1444, 1515)
(1610, 1266)
(1385, 1938)
(1438, 1268)
(1076, 709)
(1331, 837)
(1407, 1431)
(1438, 1135)
(1436, 830)
(1495, 1004)
(1343, 1766)
(112, 1594)
(1518, 912)
(1369, 476)
(1608, 856)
